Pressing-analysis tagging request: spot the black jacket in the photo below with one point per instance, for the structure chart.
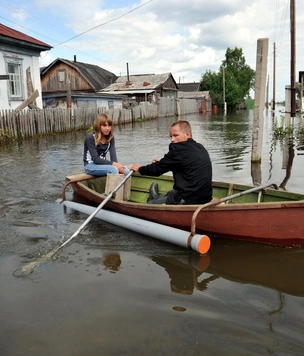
(190, 164)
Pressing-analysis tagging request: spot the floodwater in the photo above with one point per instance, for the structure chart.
(114, 292)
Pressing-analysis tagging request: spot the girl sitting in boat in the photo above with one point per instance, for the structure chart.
(96, 146)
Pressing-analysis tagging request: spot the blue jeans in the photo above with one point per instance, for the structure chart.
(102, 169)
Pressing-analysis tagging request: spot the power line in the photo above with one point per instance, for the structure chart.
(64, 42)
(46, 52)
(105, 23)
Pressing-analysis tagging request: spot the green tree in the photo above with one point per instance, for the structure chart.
(237, 76)
(213, 82)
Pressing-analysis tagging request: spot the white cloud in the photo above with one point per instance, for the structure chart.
(182, 37)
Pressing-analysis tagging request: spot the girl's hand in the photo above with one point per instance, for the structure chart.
(119, 166)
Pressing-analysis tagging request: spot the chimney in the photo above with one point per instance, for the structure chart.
(75, 58)
(128, 77)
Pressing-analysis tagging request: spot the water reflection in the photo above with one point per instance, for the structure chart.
(237, 262)
(287, 161)
(112, 261)
(229, 139)
(288, 156)
(184, 272)
(275, 268)
(278, 310)
(256, 173)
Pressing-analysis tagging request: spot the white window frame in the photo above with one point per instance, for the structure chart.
(61, 75)
(15, 81)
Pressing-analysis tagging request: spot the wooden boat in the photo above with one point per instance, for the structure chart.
(240, 212)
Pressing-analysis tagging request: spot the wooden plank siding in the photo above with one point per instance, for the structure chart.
(50, 81)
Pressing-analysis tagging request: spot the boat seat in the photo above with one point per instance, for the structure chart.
(124, 191)
(74, 178)
(79, 177)
(230, 192)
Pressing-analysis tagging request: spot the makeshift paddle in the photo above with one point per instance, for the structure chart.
(32, 265)
(222, 200)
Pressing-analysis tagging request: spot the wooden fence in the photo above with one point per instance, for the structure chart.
(31, 123)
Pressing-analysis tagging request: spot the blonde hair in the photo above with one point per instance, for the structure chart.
(102, 120)
(183, 125)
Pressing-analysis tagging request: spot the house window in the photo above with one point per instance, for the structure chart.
(15, 83)
(61, 75)
(111, 104)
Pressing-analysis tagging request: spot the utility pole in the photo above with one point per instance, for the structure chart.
(274, 78)
(267, 93)
(292, 56)
(259, 99)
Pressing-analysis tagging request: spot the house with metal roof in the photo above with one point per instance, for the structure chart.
(20, 84)
(143, 87)
(67, 83)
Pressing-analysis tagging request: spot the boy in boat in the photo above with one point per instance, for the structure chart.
(190, 164)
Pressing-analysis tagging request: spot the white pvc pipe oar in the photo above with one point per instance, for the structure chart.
(198, 243)
(96, 210)
(32, 265)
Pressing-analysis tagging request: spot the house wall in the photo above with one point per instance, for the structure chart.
(50, 82)
(105, 102)
(169, 89)
(83, 102)
(28, 61)
(170, 83)
(169, 93)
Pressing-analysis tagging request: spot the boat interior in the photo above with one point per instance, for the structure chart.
(136, 189)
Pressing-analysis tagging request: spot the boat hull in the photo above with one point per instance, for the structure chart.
(275, 223)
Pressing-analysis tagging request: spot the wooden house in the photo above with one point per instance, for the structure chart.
(143, 87)
(68, 83)
(20, 84)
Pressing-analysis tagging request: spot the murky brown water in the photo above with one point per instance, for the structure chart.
(114, 292)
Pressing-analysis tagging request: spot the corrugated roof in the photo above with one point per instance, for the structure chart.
(188, 86)
(10, 33)
(122, 92)
(96, 76)
(138, 82)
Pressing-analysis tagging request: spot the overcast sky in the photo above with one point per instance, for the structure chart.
(183, 37)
